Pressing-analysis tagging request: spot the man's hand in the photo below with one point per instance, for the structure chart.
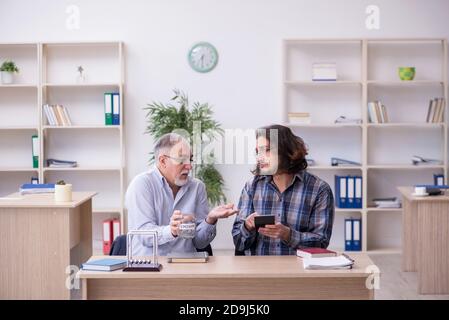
(175, 221)
(249, 221)
(276, 231)
(220, 212)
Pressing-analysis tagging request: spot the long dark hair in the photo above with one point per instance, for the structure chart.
(291, 149)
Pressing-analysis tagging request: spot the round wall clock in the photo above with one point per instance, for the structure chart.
(203, 57)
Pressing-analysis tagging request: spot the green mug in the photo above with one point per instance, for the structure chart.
(407, 73)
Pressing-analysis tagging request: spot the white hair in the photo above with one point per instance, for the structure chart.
(166, 142)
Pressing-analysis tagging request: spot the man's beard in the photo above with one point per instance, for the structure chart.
(181, 182)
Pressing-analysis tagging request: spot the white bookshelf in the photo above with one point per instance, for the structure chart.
(367, 71)
(48, 74)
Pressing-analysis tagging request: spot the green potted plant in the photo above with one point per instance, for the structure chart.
(166, 118)
(63, 191)
(8, 68)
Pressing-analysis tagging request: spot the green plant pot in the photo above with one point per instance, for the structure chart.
(406, 73)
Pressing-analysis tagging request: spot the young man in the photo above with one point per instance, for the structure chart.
(303, 205)
(157, 200)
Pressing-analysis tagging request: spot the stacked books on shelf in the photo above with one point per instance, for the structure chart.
(55, 163)
(315, 253)
(435, 112)
(33, 188)
(353, 234)
(392, 202)
(104, 264)
(377, 112)
(324, 72)
(57, 115)
(299, 117)
(112, 108)
(328, 263)
(417, 160)
(348, 191)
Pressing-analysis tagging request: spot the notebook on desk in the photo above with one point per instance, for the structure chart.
(328, 263)
(188, 257)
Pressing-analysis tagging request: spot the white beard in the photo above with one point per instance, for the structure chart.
(181, 182)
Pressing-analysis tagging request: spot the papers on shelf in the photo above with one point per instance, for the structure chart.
(393, 202)
(417, 160)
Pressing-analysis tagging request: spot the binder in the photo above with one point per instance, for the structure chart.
(351, 190)
(115, 229)
(107, 236)
(116, 108)
(34, 180)
(35, 147)
(348, 234)
(358, 192)
(341, 191)
(108, 108)
(438, 179)
(356, 235)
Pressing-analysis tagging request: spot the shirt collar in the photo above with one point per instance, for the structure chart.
(163, 180)
(299, 175)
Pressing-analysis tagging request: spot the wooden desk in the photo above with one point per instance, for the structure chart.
(230, 277)
(39, 240)
(425, 240)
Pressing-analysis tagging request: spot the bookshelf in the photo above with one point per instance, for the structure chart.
(48, 74)
(367, 71)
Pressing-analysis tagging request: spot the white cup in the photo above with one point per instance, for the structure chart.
(420, 190)
(63, 192)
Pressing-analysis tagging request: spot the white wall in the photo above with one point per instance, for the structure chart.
(245, 86)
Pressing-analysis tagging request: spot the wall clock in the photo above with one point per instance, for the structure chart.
(203, 57)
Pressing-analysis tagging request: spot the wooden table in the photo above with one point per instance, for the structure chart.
(39, 240)
(425, 240)
(231, 277)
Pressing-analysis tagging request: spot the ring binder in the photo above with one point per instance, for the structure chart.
(141, 265)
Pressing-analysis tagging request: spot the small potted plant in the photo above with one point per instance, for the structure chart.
(8, 68)
(63, 191)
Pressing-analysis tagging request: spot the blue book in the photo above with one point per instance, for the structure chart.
(104, 264)
(37, 186)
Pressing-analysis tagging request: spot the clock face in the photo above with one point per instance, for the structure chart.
(203, 57)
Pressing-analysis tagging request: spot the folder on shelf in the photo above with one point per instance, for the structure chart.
(35, 147)
(350, 183)
(358, 192)
(438, 179)
(341, 191)
(107, 236)
(108, 108)
(115, 228)
(348, 234)
(356, 234)
(115, 108)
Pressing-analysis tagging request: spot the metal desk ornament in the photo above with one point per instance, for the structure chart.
(141, 264)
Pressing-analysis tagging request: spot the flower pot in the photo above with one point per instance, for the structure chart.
(406, 73)
(63, 192)
(7, 77)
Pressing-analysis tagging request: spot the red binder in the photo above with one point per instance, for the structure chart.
(115, 228)
(107, 236)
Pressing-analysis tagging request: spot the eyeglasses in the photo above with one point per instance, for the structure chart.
(181, 160)
(261, 151)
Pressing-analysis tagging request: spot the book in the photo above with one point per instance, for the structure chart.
(343, 119)
(328, 263)
(34, 188)
(66, 115)
(104, 264)
(417, 160)
(315, 253)
(188, 257)
(55, 163)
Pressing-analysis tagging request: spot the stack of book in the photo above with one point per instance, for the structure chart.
(299, 117)
(392, 202)
(417, 160)
(57, 115)
(324, 72)
(105, 264)
(55, 163)
(377, 112)
(435, 112)
(32, 188)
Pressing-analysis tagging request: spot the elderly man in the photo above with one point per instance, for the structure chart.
(157, 199)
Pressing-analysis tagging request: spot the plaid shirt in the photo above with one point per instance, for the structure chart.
(306, 206)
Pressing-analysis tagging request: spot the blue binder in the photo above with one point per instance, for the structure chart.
(115, 108)
(348, 234)
(438, 179)
(358, 186)
(356, 234)
(341, 191)
(351, 191)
